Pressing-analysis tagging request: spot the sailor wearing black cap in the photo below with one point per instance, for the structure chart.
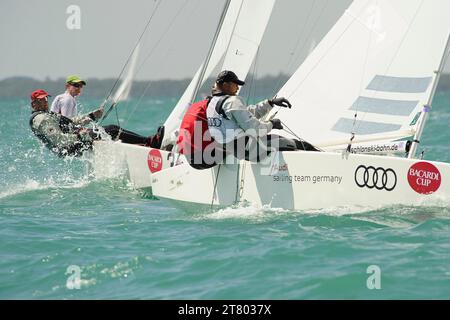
(231, 121)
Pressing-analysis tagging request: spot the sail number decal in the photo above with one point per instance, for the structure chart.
(424, 178)
(375, 178)
(154, 160)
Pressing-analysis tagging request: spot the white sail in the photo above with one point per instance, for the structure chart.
(247, 35)
(236, 45)
(123, 91)
(378, 62)
(381, 61)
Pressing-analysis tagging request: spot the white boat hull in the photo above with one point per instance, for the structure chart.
(308, 181)
(139, 162)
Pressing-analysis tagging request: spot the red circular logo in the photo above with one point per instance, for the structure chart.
(424, 178)
(154, 160)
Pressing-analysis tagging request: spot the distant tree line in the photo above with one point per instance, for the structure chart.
(16, 87)
(99, 88)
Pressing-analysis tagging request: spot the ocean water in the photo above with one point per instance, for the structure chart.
(66, 235)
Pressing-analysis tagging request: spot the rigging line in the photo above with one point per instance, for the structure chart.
(366, 58)
(204, 67)
(447, 54)
(240, 186)
(234, 29)
(396, 53)
(166, 31)
(253, 78)
(224, 56)
(129, 57)
(424, 115)
(316, 23)
(138, 103)
(236, 196)
(118, 124)
(251, 82)
(148, 56)
(354, 19)
(320, 60)
(242, 183)
(290, 60)
(240, 180)
(127, 106)
(255, 75)
(169, 27)
(215, 185)
(288, 130)
(309, 36)
(147, 87)
(141, 97)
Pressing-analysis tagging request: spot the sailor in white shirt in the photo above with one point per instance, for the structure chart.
(241, 128)
(66, 103)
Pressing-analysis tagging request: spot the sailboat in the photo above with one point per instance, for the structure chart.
(234, 46)
(368, 86)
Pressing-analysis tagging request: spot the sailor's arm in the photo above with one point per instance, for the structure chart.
(82, 120)
(245, 119)
(87, 118)
(260, 109)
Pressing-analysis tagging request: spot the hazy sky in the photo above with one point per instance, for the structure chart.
(36, 42)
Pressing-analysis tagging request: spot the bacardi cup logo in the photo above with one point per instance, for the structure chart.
(154, 160)
(424, 178)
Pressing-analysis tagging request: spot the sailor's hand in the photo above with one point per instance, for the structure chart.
(96, 114)
(282, 102)
(276, 124)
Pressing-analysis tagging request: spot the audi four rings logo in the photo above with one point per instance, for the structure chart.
(379, 178)
(214, 122)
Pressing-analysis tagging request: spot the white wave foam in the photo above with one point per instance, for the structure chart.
(342, 211)
(252, 211)
(29, 185)
(390, 216)
(107, 161)
(33, 185)
(245, 211)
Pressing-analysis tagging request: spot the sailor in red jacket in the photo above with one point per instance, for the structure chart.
(223, 124)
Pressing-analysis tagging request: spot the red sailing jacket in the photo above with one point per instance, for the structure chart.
(194, 133)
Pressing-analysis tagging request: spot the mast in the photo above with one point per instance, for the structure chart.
(427, 108)
(211, 49)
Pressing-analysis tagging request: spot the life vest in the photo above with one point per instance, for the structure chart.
(66, 126)
(222, 129)
(38, 133)
(194, 135)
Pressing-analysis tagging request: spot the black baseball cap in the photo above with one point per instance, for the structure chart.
(229, 76)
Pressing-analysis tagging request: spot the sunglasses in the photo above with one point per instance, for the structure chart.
(77, 85)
